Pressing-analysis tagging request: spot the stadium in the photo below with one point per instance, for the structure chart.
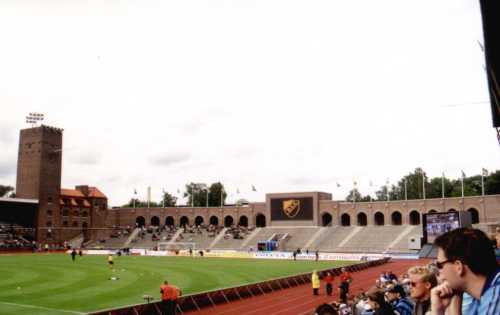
(64, 250)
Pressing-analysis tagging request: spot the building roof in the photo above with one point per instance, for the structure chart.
(96, 193)
(71, 193)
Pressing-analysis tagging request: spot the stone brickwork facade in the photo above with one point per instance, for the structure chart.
(327, 212)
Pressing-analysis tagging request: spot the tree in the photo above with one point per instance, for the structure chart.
(492, 183)
(216, 192)
(140, 204)
(196, 194)
(4, 190)
(355, 195)
(168, 200)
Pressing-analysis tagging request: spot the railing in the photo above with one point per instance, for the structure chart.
(213, 298)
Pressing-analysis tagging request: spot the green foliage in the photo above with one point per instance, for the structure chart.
(5, 190)
(355, 195)
(168, 200)
(197, 194)
(416, 180)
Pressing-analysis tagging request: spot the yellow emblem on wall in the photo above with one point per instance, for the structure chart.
(291, 207)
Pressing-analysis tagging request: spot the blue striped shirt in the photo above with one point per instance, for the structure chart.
(403, 306)
(489, 303)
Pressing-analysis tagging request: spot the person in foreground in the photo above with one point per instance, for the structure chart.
(467, 264)
(169, 296)
(422, 280)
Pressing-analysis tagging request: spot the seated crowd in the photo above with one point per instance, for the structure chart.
(464, 279)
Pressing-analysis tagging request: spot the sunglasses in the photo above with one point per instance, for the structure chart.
(440, 264)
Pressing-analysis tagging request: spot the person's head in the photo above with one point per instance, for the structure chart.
(376, 298)
(422, 280)
(395, 293)
(325, 309)
(343, 269)
(461, 252)
(165, 282)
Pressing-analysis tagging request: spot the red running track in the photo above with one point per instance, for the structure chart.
(300, 300)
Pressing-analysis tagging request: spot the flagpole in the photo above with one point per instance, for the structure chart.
(406, 191)
(442, 185)
(423, 184)
(463, 183)
(482, 184)
(207, 197)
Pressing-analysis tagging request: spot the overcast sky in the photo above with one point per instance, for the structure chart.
(283, 95)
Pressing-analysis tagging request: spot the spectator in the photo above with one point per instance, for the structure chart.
(378, 304)
(325, 309)
(397, 297)
(422, 280)
(467, 264)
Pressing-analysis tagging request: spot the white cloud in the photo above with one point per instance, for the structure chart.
(284, 95)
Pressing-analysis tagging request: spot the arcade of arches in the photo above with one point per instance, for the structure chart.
(361, 218)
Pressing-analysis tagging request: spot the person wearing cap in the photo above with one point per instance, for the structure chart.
(377, 302)
(396, 295)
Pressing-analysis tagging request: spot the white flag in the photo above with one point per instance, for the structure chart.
(485, 172)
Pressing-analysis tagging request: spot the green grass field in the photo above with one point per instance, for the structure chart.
(53, 284)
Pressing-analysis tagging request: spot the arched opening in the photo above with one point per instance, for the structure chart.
(326, 219)
(243, 221)
(155, 221)
(260, 220)
(184, 221)
(379, 218)
(198, 220)
(432, 211)
(414, 217)
(452, 210)
(396, 218)
(48, 223)
(362, 220)
(345, 220)
(228, 221)
(169, 221)
(214, 220)
(65, 223)
(85, 225)
(474, 215)
(75, 224)
(140, 221)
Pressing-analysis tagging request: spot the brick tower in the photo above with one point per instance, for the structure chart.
(39, 165)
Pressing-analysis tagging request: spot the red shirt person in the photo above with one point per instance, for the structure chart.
(345, 280)
(329, 283)
(169, 295)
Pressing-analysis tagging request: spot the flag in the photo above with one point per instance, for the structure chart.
(463, 174)
(387, 181)
(237, 190)
(355, 183)
(371, 184)
(338, 185)
(135, 191)
(485, 172)
(178, 191)
(253, 188)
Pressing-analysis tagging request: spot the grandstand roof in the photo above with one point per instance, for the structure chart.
(19, 200)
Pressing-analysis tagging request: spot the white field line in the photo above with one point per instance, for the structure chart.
(40, 307)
